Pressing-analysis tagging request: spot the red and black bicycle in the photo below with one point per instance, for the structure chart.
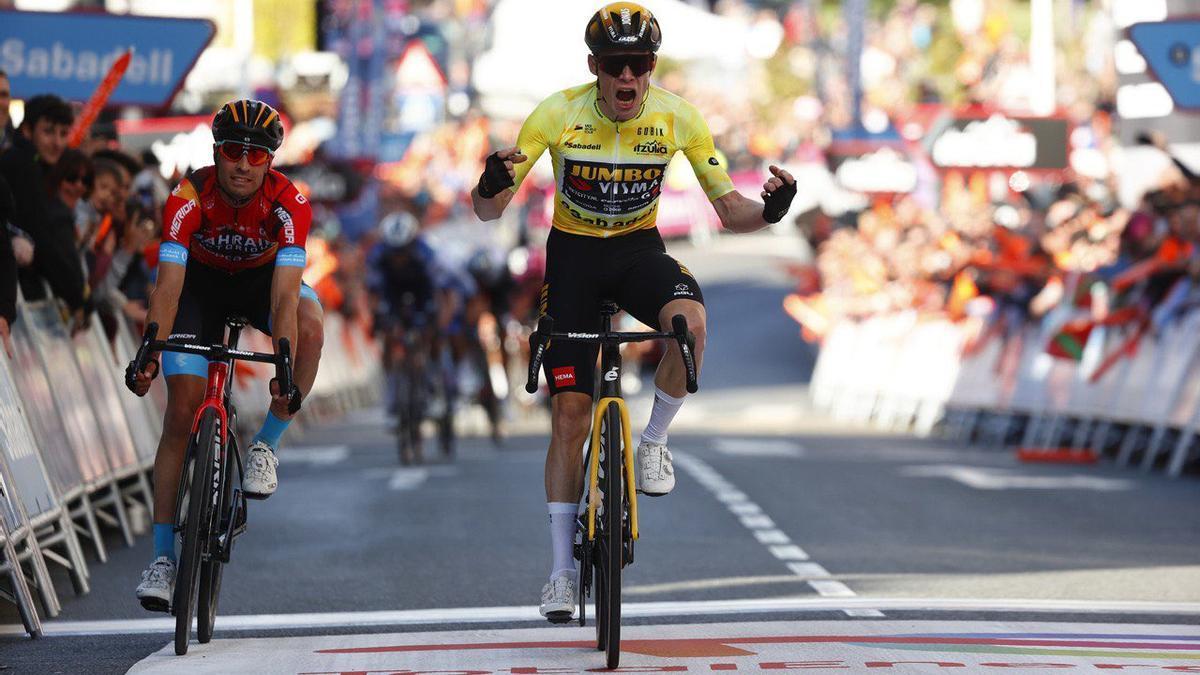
(210, 509)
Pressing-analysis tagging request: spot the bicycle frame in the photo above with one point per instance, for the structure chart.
(610, 392)
(610, 389)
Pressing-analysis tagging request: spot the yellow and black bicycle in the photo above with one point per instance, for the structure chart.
(609, 526)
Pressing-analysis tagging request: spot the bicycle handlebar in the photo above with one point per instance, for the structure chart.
(282, 360)
(540, 339)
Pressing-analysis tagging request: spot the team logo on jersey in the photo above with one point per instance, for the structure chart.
(285, 221)
(713, 161)
(611, 189)
(233, 245)
(177, 221)
(585, 128)
(650, 148)
(582, 146)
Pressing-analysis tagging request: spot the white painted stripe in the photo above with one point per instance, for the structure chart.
(865, 613)
(771, 537)
(831, 589)
(758, 522)
(758, 447)
(809, 570)
(745, 509)
(633, 609)
(789, 552)
(732, 496)
(407, 479)
(317, 455)
(763, 528)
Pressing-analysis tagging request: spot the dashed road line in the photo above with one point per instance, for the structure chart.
(767, 533)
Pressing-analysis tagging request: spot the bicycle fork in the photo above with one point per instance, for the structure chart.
(627, 461)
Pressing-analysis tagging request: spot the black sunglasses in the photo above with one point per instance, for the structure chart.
(614, 64)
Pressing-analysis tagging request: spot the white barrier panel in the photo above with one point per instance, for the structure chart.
(145, 420)
(65, 469)
(17, 442)
(78, 420)
(898, 371)
(96, 369)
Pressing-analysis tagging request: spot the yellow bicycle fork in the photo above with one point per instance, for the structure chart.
(594, 466)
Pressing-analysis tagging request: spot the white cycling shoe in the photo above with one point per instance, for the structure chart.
(558, 599)
(158, 585)
(656, 476)
(260, 480)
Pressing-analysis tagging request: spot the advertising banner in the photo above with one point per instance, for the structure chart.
(69, 54)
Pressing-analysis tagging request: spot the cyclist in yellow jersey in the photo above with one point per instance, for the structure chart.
(610, 141)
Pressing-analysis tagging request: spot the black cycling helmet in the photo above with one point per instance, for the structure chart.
(622, 27)
(248, 121)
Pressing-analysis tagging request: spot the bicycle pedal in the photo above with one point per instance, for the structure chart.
(559, 617)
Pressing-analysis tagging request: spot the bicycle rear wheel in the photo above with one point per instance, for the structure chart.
(612, 542)
(212, 569)
(195, 526)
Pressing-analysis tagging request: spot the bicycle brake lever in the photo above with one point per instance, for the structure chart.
(539, 340)
(687, 348)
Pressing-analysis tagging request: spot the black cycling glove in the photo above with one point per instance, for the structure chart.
(776, 203)
(131, 373)
(294, 400)
(494, 177)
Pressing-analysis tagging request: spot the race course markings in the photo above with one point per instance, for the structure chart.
(631, 610)
(853, 646)
(767, 533)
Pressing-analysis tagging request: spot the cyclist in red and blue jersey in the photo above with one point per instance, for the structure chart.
(233, 245)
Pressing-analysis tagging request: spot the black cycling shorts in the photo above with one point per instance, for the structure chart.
(632, 270)
(208, 298)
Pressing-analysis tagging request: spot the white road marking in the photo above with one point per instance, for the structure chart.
(758, 521)
(317, 455)
(765, 530)
(457, 615)
(407, 479)
(758, 447)
(744, 508)
(410, 477)
(808, 570)
(833, 589)
(771, 537)
(789, 552)
(1007, 479)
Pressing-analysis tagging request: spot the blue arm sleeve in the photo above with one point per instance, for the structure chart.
(172, 252)
(291, 256)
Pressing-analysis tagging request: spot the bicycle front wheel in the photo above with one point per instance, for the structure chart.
(196, 524)
(612, 543)
(212, 569)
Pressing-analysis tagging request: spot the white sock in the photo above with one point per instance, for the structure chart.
(562, 538)
(665, 407)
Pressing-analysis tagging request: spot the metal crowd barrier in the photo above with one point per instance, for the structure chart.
(1137, 399)
(76, 448)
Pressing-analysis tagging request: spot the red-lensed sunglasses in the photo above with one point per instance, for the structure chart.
(614, 64)
(234, 151)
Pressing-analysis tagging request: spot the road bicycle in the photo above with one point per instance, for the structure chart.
(210, 508)
(609, 526)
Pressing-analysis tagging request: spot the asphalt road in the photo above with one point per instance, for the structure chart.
(780, 525)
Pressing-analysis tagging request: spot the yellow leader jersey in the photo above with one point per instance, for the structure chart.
(607, 174)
